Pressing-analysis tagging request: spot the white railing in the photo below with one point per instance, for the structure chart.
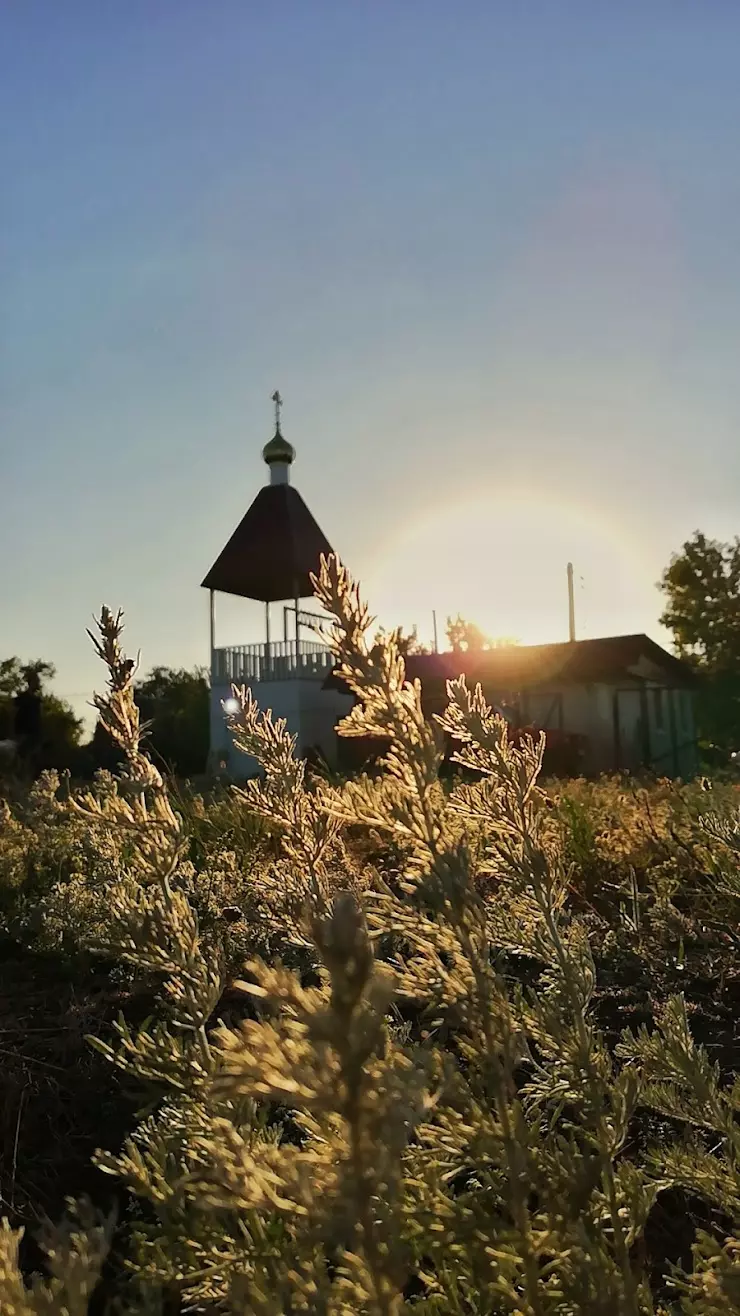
(283, 660)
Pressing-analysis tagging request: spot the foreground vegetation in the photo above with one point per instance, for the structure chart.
(371, 1046)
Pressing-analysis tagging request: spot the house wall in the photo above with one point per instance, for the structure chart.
(588, 712)
(220, 743)
(688, 752)
(545, 708)
(662, 709)
(656, 728)
(601, 757)
(630, 747)
(611, 717)
(310, 711)
(320, 712)
(665, 738)
(583, 710)
(672, 732)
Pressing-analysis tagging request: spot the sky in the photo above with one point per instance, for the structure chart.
(487, 252)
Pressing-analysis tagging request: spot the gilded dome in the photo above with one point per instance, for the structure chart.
(278, 450)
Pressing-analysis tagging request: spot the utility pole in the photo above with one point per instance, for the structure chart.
(436, 642)
(571, 606)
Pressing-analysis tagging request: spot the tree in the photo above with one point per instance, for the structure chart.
(61, 732)
(99, 753)
(175, 702)
(465, 636)
(702, 588)
(701, 585)
(410, 644)
(13, 675)
(61, 729)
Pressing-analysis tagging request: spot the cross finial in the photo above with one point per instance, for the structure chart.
(278, 404)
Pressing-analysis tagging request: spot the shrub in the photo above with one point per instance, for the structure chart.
(397, 1120)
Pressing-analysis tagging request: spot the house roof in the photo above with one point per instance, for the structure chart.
(515, 667)
(273, 551)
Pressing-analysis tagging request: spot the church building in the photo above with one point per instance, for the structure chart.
(270, 557)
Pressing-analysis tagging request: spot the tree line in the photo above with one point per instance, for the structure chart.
(43, 731)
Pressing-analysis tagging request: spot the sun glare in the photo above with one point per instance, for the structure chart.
(501, 562)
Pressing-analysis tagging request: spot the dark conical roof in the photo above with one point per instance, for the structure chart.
(273, 550)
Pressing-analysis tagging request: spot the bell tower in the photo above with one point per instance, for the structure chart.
(270, 557)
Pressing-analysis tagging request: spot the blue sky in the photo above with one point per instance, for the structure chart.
(488, 252)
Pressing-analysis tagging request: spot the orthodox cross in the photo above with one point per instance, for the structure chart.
(278, 404)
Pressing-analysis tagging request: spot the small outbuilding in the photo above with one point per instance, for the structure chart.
(626, 702)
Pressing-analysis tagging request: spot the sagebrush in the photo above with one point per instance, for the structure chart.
(379, 1073)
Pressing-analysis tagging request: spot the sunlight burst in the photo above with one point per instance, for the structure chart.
(501, 561)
